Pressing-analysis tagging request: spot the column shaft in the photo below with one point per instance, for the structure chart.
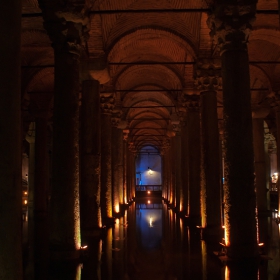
(194, 166)
(117, 168)
(185, 169)
(211, 159)
(90, 158)
(240, 197)
(41, 191)
(65, 210)
(10, 143)
(178, 173)
(106, 166)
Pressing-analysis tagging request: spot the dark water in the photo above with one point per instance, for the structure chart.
(151, 242)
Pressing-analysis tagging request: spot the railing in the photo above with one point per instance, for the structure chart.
(144, 188)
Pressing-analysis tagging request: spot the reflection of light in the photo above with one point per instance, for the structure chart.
(25, 193)
(149, 192)
(151, 222)
(149, 201)
(25, 201)
(117, 208)
(226, 273)
(84, 247)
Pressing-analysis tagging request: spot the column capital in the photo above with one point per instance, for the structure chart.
(191, 102)
(132, 147)
(125, 134)
(230, 25)
(116, 117)
(207, 74)
(67, 24)
(107, 102)
(165, 145)
(270, 140)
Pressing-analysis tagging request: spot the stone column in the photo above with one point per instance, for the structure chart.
(208, 79)
(230, 25)
(178, 170)
(65, 210)
(117, 162)
(90, 145)
(68, 36)
(277, 115)
(107, 105)
(165, 169)
(10, 148)
(173, 166)
(30, 138)
(260, 179)
(193, 132)
(125, 139)
(184, 164)
(41, 191)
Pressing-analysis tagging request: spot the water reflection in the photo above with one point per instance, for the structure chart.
(151, 242)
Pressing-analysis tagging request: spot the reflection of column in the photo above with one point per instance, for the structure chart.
(193, 131)
(107, 104)
(208, 79)
(240, 210)
(10, 142)
(90, 158)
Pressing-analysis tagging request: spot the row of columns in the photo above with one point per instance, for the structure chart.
(243, 154)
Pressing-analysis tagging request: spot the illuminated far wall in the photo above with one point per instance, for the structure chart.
(148, 157)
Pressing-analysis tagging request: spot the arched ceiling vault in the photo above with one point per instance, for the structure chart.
(150, 58)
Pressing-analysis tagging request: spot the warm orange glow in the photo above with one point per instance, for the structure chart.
(25, 193)
(226, 273)
(117, 208)
(25, 201)
(149, 201)
(149, 192)
(84, 247)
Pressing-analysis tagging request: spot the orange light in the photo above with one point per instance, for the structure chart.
(149, 192)
(149, 201)
(25, 201)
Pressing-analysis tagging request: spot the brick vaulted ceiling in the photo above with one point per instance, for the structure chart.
(150, 58)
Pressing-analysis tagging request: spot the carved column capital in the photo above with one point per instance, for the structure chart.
(207, 74)
(67, 24)
(191, 102)
(116, 117)
(132, 147)
(230, 25)
(125, 134)
(107, 103)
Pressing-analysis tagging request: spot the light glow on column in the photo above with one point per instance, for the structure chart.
(117, 208)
